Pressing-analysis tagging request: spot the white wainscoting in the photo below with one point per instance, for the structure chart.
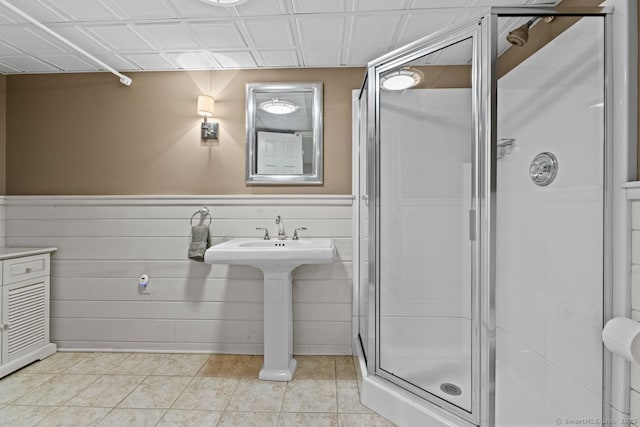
(106, 242)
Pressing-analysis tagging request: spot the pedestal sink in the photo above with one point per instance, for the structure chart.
(276, 259)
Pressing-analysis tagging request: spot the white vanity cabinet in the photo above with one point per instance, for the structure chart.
(24, 307)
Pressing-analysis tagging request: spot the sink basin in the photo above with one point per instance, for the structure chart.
(259, 252)
(276, 259)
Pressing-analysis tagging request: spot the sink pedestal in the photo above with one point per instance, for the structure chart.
(277, 259)
(279, 364)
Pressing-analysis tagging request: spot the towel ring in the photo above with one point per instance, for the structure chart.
(204, 214)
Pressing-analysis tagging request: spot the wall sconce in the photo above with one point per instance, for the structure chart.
(209, 130)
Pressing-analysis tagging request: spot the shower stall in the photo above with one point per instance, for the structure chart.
(485, 223)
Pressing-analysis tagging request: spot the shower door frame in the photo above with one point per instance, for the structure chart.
(441, 40)
(484, 113)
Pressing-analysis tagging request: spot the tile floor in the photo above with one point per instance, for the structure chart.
(142, 389)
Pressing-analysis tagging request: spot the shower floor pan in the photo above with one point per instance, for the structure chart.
(448, 378)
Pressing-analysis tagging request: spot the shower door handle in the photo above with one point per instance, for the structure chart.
(472, 225)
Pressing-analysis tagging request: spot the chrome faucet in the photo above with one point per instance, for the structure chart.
(266, 233)
(280, 224)
(295, 233)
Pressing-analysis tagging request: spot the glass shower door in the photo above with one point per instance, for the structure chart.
(425, 149)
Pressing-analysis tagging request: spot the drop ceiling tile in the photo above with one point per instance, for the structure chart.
(169, 36)
(28, 40)
(315, 6)
(193, 60)
(373, 29)
(496, 2)
(430, 4)
(328, 57)
(218, 35)
(508, 23)
(83, 10)
(7, 17)
(119, 37)
(236, 59)
(456, 54)
(198, 9)
(39, 10)
(80, 37)
(150, 61)
(70, 63)
(422, 24)
(464, 16)
(28, 64)
(6, 69)
(270, 33)
(320, 30)
(361, 56)
(279, 58)
(6, 50)
(116, 61)
(141, 9)
(261, 7)
(367, 5)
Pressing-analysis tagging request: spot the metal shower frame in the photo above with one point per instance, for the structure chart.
(484, 32)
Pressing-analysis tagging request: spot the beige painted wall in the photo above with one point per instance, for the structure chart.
(88, 134)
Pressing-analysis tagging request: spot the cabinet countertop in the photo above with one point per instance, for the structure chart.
(11, 252)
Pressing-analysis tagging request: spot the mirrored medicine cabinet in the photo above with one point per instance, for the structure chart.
(284, 133)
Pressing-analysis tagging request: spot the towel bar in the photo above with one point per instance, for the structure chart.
(204, 214)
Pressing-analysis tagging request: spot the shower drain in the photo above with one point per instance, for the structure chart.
(451, 389)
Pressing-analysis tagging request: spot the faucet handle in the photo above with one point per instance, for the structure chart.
(295, 233)
(266, 232)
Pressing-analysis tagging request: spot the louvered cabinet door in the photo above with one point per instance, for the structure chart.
(25, 317)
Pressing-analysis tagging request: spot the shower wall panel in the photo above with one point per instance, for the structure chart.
(635, 303)
(635, 300)
(549, 270)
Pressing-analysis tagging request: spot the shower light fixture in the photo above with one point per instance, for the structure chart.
(404, 78)
(224, 2)
(278, 106)
(208, 130)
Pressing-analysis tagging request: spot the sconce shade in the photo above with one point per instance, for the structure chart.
(205, 105)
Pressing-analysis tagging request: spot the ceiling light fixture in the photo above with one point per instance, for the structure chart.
(224, 2)
(278, 106)
(403, 78)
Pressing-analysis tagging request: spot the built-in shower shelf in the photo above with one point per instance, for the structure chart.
(24, 307)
